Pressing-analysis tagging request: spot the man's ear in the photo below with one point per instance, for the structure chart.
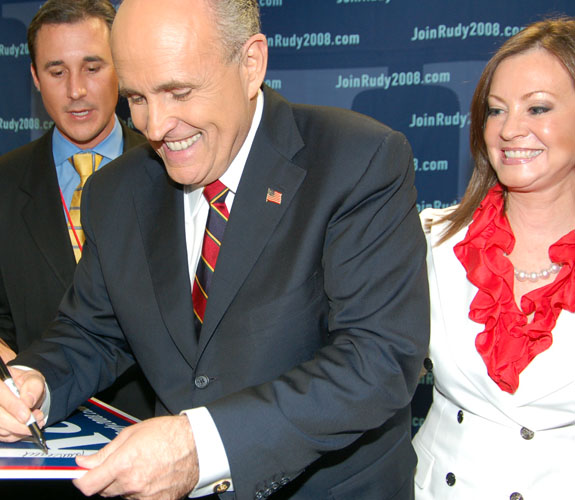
(255, 62)
(35, 77)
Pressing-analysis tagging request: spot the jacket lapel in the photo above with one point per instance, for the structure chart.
(160, 212)
(455, 295)
(253, 220)
(131, 137)
(49, 232)
(41, 195)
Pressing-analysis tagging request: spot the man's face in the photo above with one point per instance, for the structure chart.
(193, 106)
(76, 77)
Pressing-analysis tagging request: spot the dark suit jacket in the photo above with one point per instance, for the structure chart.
(317, 322)
(36, 258)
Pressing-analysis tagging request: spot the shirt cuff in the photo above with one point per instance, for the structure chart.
(214, 476)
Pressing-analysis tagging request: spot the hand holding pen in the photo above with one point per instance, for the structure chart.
(37, 434)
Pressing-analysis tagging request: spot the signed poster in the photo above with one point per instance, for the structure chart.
(93, 425)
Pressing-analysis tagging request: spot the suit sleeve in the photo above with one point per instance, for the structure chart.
(76, 362)
(376, 285)
(7, 329)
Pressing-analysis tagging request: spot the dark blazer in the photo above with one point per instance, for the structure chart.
(36, 258)
(317, 322)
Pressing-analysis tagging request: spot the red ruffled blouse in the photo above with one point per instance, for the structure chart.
(509, 342)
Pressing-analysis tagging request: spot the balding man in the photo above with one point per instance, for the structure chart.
(287, 369)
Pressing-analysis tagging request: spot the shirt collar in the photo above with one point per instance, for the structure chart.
(111, 147)
(231, 177)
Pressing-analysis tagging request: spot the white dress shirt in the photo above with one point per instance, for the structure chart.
(213, 462)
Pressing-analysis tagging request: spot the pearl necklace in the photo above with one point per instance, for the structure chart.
(534, 276)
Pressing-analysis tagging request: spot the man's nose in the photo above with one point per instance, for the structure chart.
(76, 86)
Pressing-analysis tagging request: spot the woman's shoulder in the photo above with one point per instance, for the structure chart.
(435, 218)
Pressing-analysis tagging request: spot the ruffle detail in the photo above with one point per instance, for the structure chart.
(509, 342)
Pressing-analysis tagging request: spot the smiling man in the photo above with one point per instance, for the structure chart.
(286, 368)
(40, 183)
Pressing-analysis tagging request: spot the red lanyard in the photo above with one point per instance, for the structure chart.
(70, 221)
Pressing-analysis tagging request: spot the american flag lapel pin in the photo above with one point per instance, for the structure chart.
(274, 196)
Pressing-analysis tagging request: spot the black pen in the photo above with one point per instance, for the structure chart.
(37, 434)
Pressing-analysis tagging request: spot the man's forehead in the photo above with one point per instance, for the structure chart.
(78, 25)
(77, 40)
(169, 39)
(142, 17)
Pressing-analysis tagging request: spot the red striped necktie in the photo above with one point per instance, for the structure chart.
(218, 214)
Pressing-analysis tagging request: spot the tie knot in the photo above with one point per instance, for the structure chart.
(216, 191)
(85, 164)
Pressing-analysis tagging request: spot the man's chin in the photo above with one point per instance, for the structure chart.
(83, 139)
(182, 174)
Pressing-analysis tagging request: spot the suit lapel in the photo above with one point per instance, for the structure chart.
(455, 294)
(252, 219)
(160, 212)
(131, 137)
(41, 196)
(159, 207)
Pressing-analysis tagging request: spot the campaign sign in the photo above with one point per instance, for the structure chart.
(93, 425)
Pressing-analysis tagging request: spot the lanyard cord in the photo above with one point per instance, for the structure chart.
(70, 221)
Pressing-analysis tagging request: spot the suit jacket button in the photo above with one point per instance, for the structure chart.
(222, 487)
(275, 486)
(460, 416)
(516, 496)
(526, 433)
(202, 381)
(259, 495)
(428, 364)
(450, 478)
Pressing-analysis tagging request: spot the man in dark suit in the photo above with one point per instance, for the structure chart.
(295, 381)
(72, 67)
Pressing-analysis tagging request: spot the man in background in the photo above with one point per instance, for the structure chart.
(41, 183)
(288, 371)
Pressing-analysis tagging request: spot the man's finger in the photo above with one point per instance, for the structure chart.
(13, 405)
(11, 428)
(31, 385)
(99, 476)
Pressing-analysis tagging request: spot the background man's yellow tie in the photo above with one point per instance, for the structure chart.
(85, 164)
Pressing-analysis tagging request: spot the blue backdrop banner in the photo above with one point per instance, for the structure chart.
(412, 64)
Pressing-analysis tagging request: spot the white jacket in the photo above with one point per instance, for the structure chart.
(486, 443)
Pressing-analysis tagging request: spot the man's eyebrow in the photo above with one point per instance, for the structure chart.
(163, 87)
(51, 64)
(59, 62)
(173, 84)
(126, 92)
(93, 59)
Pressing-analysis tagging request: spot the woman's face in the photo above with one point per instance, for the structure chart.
(530, 126)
